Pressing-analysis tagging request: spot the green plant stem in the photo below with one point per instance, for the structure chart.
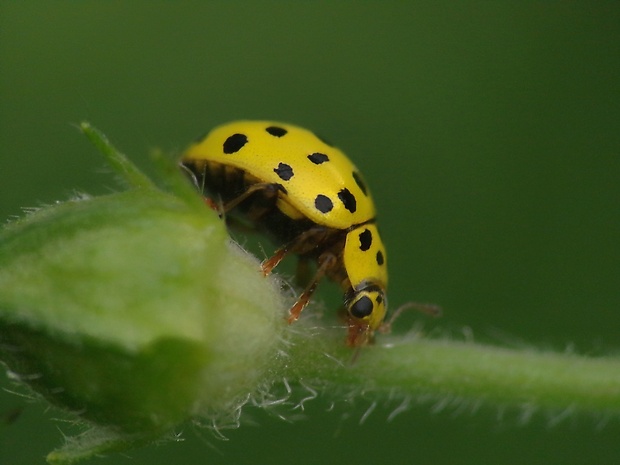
(465, 371)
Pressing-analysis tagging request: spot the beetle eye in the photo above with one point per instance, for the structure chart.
(361, 308)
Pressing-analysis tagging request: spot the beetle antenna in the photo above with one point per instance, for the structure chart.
(429, 309)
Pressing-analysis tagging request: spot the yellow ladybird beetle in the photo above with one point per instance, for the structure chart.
(311, 199)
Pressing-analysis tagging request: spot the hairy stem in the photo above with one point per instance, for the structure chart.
(454, 370)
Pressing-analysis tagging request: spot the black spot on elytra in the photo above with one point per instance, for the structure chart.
(284, 171)
(318, 158)
(348, 200)
(276, 131)
(365, 240)
(323, 203)
(235, 143)
(380, 258)
(362, 308)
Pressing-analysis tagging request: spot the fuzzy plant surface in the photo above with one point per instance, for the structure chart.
(135, 312)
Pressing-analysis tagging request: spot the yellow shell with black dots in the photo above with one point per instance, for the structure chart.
(310, 198)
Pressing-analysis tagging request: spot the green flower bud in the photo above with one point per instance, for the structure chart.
(134, 310)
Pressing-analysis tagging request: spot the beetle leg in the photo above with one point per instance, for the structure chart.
(269, 264)
(269, 189)
(325, 262)
(295, 246)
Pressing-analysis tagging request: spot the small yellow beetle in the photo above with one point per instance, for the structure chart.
(311, 199)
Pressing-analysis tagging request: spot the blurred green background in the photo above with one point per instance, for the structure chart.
(489, 132)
